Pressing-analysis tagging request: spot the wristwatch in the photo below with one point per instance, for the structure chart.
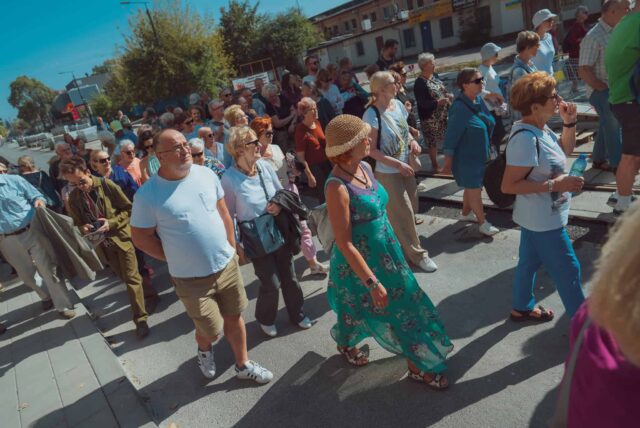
(371, 282)
(569, 125)
(550, 183)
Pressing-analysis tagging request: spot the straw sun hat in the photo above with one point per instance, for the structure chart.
(344, 133)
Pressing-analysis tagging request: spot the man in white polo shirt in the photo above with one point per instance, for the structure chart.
(179, 215)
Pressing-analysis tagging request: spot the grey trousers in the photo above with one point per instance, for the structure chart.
(33, 265)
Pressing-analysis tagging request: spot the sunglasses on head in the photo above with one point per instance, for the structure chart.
(197, 155)
(102, 161)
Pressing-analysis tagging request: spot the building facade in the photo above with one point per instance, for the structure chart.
(358, 29)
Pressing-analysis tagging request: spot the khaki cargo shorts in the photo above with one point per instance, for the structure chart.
(208, 299)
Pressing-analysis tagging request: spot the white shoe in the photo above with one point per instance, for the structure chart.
(428, 265)
(255, 372)
(469, 217)
(305, 323)
(269, 330)
(488, 229)
(206, 363)
(318, 268)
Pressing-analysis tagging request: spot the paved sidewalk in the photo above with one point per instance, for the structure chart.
(59, 373)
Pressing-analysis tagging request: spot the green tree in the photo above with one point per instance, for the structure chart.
(242, 27)
(4, 131)
(102, 105)
(187, 57)
(32, 98)
(20, 125)
(289, 36)
(106, 67)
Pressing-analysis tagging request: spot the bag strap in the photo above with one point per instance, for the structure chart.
(266, 195)
(537, 147)
(560, 417)
(375, 109)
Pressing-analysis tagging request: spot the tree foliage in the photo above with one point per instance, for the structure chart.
(4, 131)
(241, 28)
(102, 105)
(188, 57)
(249, 36)
(20, 125)
(32, 98)
(106, 67)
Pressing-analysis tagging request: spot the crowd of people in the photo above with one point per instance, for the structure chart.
(216, 186)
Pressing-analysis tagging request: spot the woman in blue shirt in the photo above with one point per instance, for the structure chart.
(543, 22)
(466, 145)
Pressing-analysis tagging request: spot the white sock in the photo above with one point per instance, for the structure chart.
(623, 201)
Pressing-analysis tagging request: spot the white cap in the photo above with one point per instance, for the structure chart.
(489, 50)
(541, 16)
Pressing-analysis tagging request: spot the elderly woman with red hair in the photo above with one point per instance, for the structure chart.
(310, 144)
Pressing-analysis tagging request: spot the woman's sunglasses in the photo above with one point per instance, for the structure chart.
(268, 134)
(102, 161)
(254, 142)
(478, 80)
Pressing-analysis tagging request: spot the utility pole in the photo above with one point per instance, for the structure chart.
(146, 9)
(84, 102)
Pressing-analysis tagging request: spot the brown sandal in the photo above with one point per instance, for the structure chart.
(438, 382)
(358, 359)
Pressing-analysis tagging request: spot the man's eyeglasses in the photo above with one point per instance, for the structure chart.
(177, 149)
(197, 155)
(102, 161)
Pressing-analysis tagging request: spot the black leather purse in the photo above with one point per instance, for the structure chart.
(260, 236)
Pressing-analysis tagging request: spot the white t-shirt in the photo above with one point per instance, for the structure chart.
(335, 98)
(539, 212)
(398, 117)
(544, 58)
(278, 162)
(186, 218)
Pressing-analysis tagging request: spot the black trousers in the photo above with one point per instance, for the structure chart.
(321, 172)
(498, 131)
(275, 271)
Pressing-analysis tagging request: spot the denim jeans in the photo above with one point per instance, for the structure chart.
(608, 144)
(553, 250)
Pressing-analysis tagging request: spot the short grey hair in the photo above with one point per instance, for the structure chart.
(196, 143)
(167, 120)
(127, 143)
(580, 9)
(425, 58)
(269, 88)
(60, 145)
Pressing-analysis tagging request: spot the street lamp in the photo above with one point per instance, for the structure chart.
(146, 9)
(84, 102)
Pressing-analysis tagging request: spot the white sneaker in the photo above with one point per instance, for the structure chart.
(319, 268)
(305, 323)
(488, 229)
(269, 330)
(206, 363)
(255, 372)
(428, 265)
(469, 217)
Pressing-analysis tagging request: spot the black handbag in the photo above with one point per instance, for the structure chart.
(260, 236)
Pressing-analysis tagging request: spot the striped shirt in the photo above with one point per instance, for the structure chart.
(592, 50)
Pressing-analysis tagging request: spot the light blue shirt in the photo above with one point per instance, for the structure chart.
(259, 107)
(185, 215)
(219, 152)
(17, 197)
(244, 195)
(539, 212)
(398, 119)
(546, 52)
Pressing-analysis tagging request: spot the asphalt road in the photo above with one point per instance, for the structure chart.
(503, 374)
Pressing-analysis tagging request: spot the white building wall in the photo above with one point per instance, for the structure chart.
(510, 17)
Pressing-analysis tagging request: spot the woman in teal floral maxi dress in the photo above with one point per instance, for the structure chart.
(371, 288)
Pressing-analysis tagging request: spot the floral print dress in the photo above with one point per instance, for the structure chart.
(409, 325)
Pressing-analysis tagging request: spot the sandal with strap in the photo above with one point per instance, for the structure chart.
(545, 315)
(438, 381)
(359, 359)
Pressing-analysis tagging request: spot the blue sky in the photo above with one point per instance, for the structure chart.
(41, 38)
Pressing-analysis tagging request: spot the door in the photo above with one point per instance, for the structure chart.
(427, 39)
(379, 44)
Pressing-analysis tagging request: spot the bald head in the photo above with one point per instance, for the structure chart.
(204, 131)
(614, 10)
(167, 138)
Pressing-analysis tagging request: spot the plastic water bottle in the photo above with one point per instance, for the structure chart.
(578, 167)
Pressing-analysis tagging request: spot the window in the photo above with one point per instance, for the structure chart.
(420, 3)
(483, 14)
(365, 16)
(409, 38)
(346, 26)
(354, 24)
(409, 4)
(360, 48)
(387, 13)
(335, 30)
(374, 17)
(446, 27)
